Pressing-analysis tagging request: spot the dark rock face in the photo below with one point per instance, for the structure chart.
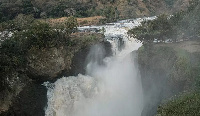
(120, 44)
(156, 67)
(27, 97)
(48, 64)
(31, 101)
(14, 85)
(79, 60)
(163, 74)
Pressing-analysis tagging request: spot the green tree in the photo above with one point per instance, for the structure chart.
(27, 7)
(22, 21)
(160, 28)
(71, 24)
(110, 13)
(103, 30)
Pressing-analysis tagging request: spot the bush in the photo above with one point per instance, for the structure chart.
(160, 28)
(184, 105)
(181, 25)
(71, 24)
(12, 58)
(14, 50)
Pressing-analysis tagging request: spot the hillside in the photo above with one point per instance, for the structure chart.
(111, 9)
(182, 25)
(169, 63)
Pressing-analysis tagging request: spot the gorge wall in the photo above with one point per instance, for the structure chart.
(167, 70)
(26, 95)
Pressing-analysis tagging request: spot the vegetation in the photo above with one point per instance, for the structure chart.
(169, 2)
(111, 9)
(29, 34)
(185, 105)
(18, 17)
(196, 72)
(162, 28)
(44, 9)
(150, 30)
(71, 25)
(181, 71)
(181, 25)
(184, 69)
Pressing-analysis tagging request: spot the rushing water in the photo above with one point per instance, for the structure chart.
(112, 86)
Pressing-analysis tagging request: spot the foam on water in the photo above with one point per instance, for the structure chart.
(112, 89)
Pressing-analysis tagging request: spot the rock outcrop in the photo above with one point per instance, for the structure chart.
(48, 62)
(31, 101)
(16, 82)
(26, 96)
(166, 70)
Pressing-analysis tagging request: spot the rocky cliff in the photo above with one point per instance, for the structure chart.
(167, 70)
(48, 63)
(26, 96)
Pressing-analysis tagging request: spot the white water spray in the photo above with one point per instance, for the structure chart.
(112, 89)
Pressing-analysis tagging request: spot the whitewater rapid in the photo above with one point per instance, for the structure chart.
(109, 89)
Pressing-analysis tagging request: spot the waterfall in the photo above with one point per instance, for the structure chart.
(111, 86)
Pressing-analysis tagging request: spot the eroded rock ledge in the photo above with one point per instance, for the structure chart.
(26, 96)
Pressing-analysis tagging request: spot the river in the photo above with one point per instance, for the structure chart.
(111, 87)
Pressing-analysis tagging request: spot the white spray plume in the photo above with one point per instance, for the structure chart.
(112, 89)
(112, 86)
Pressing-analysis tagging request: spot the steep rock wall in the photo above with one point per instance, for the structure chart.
(26, 96)
(166, 70)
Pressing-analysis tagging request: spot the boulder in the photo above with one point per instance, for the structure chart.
(47, 62)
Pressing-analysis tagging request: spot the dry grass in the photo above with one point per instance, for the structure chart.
(81, 21)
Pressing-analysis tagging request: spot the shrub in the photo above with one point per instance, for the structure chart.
(14, 50)
(184, 105)
(71, 24)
